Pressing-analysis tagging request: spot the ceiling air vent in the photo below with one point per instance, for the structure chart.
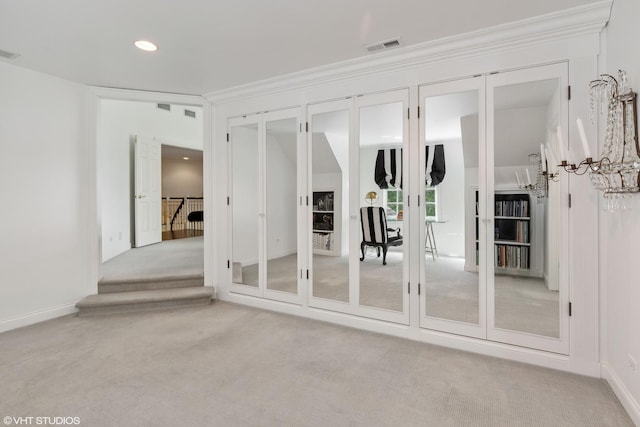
(189, 113)
(8, 55)
(166, 107)
(383, 45)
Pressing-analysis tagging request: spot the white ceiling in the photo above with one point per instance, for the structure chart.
(210, 45)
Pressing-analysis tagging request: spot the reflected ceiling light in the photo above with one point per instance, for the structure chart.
(146, 45)
(185, 158)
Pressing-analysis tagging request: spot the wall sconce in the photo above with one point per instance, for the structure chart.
(617, 172)
(371, 197)
(538, 163)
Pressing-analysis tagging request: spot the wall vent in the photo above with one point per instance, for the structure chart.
(166, 107)
(8, 55)
(383, 45)
(189, 113)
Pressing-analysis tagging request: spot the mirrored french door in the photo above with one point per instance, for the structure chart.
(358, 182)
(265, 205)
(495, 230)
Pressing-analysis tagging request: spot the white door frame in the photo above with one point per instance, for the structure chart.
(94, 96)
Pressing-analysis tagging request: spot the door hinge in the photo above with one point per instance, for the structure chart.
(227, 136)
(419, 288)
(418, 111)
(570, 310)
(228, 200)
(228, 264)
(569, 199)
(408, 287)
(307, 127)
(408, 201)
(307, 200)
(418, 200)
(307, 274)
(569, 92)
(408, 113)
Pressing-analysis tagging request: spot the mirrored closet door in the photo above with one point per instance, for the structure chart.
(452, 171)
(527, 291)
(266, 204)
(358, 163)
(495, 231)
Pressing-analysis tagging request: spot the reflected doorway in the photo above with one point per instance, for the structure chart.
(169, 124)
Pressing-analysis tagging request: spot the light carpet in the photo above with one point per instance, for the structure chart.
(231, 365)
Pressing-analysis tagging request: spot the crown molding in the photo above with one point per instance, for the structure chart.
(568, 23)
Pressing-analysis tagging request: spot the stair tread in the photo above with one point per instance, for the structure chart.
(140, 297)
(144, 279)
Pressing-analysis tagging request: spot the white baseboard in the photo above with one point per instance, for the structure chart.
(626, 399)
(37, 317)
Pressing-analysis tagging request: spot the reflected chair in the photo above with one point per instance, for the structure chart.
(375, 232)
(196, 217)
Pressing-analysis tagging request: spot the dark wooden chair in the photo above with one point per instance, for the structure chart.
(375, 232)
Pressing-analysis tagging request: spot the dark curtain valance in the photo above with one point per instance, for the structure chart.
(388, 170)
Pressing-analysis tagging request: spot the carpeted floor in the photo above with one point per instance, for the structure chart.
(231, 365)
(168, 258)
(522, 304)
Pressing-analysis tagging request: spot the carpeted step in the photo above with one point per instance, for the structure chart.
(136, 301)
(106, 286)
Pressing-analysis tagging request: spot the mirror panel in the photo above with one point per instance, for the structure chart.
(281, 205)
(450, 188)
(245, 204)
(329, 177)
(382, 231)
(526, 250)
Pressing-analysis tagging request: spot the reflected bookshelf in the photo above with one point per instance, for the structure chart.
(323, 222)
(512, 233)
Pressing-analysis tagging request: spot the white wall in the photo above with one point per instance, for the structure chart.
(620, 234)
(118, 120)
(44, 179)
(182, 177)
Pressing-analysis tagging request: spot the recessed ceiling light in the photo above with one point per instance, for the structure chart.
(146, 45)
(185, 158)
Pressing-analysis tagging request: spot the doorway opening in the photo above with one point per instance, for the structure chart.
(150, 155)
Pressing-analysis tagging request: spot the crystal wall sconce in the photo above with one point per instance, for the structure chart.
(617, 172)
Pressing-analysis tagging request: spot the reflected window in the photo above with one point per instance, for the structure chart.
(431, 203)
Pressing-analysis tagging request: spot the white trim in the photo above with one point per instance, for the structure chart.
(581, 20)
(38, 316)
(622, 393)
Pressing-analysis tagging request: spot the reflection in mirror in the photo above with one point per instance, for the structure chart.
(244, 169)
(381, 218)
(450, 191)
(281, 222)
(330, 220)
(525, 226)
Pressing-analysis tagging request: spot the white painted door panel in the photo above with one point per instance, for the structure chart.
(147, 192)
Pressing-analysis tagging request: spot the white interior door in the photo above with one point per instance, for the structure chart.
(147, 191)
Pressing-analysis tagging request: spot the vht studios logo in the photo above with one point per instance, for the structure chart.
(42, 421)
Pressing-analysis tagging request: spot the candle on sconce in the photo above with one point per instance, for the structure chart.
(528, 176)
(518, 179)
(543, 158)
(563, 156)
(583, 138)
(550, 157)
